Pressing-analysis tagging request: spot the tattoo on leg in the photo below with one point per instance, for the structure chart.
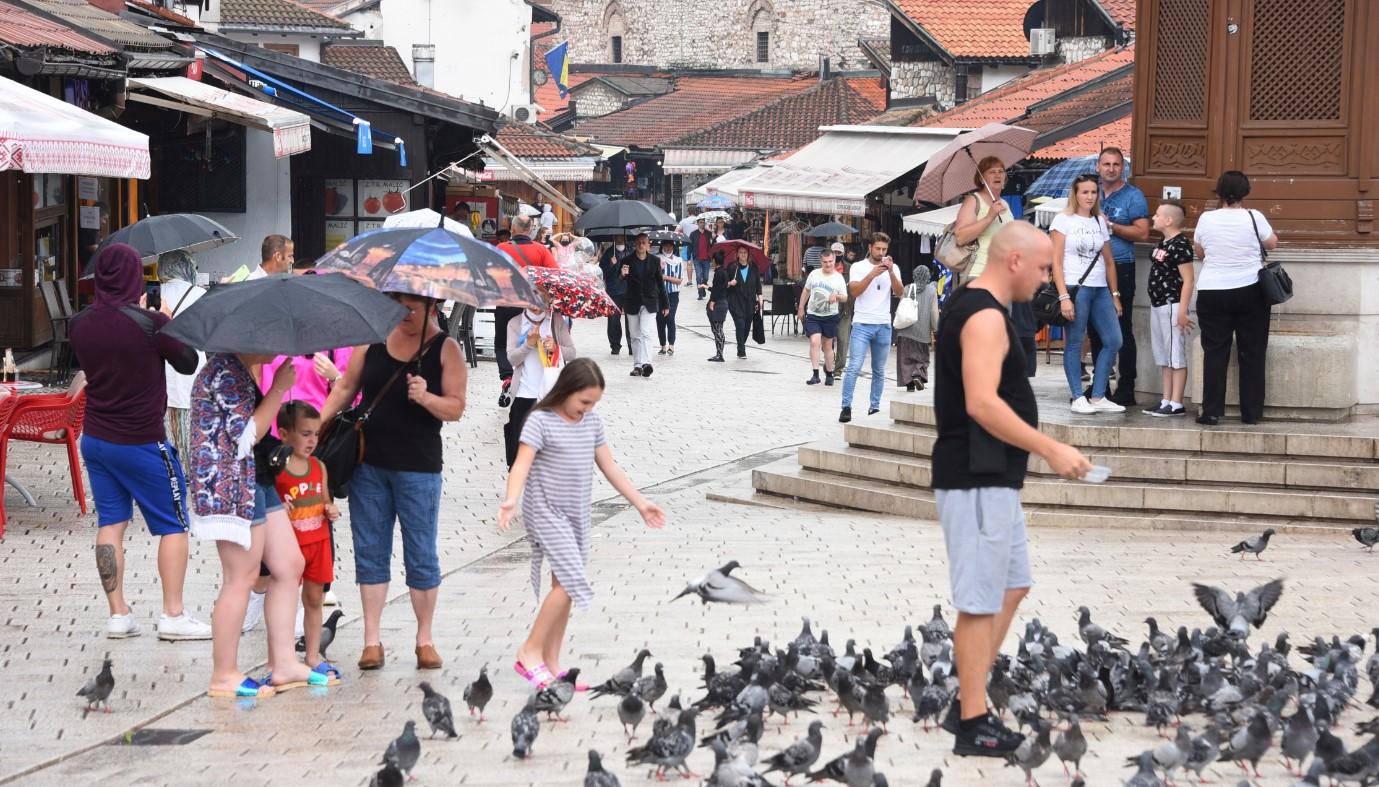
(106, 566)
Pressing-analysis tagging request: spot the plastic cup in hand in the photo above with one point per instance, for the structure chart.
(1097, 475)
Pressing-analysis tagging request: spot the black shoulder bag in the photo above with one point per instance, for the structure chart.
(1048, 310)
(1273, 279)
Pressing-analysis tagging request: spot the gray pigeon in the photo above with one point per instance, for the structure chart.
(1250, 742)
(876, 709)
(97, 690)
(1244, 610)
(436, 708)
(631, 711)
(1253, 545)
(1299, 740)
(859, 770)
(478, 693)
(387, 776)
(1034, 750)
(553, 699)
(718, 586)
(1145, 776)
(935, 778)
(623, 680)
(1172, 755)
(1206, 749)
(1367, 536)
(732, 772)
(404, 750)
(836, 769)
(1361, 765)
(1071, 746)
(596, 775)
(801, 755)
(652, 687)
(1314, 775)
(525, 727)
(327, 633)
(669, 748)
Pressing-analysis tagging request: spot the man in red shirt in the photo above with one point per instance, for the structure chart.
(525, 252)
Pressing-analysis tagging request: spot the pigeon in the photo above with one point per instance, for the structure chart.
(859, 770)
(525, 727)
(1314, 775)
(1161, 642)
(436, 708)
(1361, 765)
(404, 750)
(1174, 754)
(729, 771)
(836, 768)
(552, 699)
(1091, 633)
(937, 627)
(327, 633)
(1145, 776)
(1071, 746)
(1033, 751)
(876, 709)
(1253, 545)
(935, 778)
(623, 680)
(631, 711)
(1206, 749)
(651, 687)
(1239, 613)
(478, 693)
(718, 586)
(806, 642)
(1299, 740)
(1250, 742)
(1367, 536)
(669, 748)
(800, 756)
(596, 775)
(387, 776)
(97, 690)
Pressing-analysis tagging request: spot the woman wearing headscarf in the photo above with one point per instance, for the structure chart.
(912, 342)
(179, 290)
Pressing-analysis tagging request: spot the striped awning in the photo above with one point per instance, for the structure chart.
(39, 133)
(687, 161)
(291, 129)
(580, 170)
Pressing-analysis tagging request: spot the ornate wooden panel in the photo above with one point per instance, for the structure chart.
(1295, 155)
(1180, 69)
(1187, 155)
(1297, 69)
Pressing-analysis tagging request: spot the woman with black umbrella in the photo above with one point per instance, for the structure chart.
(744, 296)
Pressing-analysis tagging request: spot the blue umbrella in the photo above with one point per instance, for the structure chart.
(716, 202)
(1056, 181)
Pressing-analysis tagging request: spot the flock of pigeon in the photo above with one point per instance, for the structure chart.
(1244, 703)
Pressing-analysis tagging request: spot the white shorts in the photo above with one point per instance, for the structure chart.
(1169, 343)
(987, 544)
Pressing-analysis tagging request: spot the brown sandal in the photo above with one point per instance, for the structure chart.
(427, 657)
(371, 658)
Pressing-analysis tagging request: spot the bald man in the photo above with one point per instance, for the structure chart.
(987, 428)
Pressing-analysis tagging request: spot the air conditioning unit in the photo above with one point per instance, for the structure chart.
(525, 113)
(1042, 41)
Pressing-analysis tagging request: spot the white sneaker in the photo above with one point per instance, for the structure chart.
(253, 614)
(182, 627)
(300, 631)
(1081, 406)
(1105, 405)
(122, 626)
(328, 599)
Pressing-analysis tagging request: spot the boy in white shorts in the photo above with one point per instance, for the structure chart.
(1170, 291)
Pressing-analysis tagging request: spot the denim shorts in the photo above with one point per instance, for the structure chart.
(266, 501)
(378, 499)
(988, 546)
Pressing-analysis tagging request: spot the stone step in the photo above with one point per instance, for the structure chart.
(1160, 465)
(1170, 497)
(787, 480)
(1179, 434)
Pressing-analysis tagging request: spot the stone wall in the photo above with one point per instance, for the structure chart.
(921, 79)
(595, 100)
(1074, 50)
(686, 34)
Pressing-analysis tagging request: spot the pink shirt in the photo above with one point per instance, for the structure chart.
(310, 387)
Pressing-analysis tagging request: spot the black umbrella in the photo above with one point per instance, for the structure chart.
(589, 199)
(160, 234)
(831, 229)
(287, 315)
(623, 213)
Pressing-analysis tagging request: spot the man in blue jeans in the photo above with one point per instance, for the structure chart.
(700, 241)
(871, 321)
(1127, 215)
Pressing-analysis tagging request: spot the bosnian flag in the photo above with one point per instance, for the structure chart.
(558, 63)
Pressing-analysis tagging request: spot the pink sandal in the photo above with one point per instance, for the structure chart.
(541, 677)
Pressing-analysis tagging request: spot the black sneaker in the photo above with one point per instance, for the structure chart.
(636, 372)
(985, 737)
(646, 370)
(1166, 411)
(952, 717)
(716, 359)
(873, 411)
(614, 350)
(813, 380)
(845, 415)
(742, 353)
(1124, 396)
(828, 378)
(1157, 412)
(1208, 420)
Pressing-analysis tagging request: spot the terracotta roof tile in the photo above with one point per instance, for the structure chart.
(1122, 11)
(990, 28)
(379, 62)
(794, 120)
(1062, 112)
(698, 102)
(277, 15)
(162, 13)
(1117, 133)
(1012, 99)
(528, 141)
(21, 28)
(548, 96)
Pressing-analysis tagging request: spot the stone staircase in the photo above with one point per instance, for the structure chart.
(1166, 474)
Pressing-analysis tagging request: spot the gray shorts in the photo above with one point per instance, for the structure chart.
(988, 547)
(1169, 343)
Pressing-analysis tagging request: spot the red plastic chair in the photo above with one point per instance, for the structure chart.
(55, 419)
(7, 405)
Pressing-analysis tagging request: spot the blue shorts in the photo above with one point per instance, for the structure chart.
(827, 326)
(266, 501)
(147, 473)
(378, 498)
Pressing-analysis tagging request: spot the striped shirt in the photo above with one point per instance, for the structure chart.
(672, 267)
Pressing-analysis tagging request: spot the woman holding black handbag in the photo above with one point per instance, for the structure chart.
(1231, 302)
(743, 288)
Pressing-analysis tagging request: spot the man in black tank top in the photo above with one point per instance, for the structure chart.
(987, 428)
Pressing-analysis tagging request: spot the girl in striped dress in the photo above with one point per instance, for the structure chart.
(561, 443)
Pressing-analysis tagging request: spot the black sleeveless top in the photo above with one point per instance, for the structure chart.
(966, 456)
(400, 434)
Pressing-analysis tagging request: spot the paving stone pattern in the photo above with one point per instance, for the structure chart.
(690, 430)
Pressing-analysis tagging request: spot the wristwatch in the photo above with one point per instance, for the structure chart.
(1116, 293)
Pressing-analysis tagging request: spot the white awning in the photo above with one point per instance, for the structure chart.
(685, 161)
(291, 130)
(835, 173)
(728, 184)
(931, 222)
(495, 150)
(39, 133)
(1043, 214)
(581, 169)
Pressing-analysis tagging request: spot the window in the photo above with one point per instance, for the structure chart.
(617, 48)
(286, 49)
(763, 18)
(763, 46)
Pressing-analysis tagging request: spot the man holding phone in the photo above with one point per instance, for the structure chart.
(871, 282)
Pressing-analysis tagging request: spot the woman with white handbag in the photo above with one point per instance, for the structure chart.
(539, 345)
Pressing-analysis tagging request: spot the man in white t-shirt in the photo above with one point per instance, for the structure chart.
(871, 321)
(275, 255)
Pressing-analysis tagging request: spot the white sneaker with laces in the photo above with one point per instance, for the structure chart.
(300, 630)
(253, 614)
(122, 626)
(181, 628)
(1105, 405)
(328, 599)
(1081, 406)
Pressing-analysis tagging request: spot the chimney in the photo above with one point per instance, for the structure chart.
(424, 64)
(824, 73)
(110, 6)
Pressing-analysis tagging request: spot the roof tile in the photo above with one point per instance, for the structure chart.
(21, 28)
(990, 28)
(277, 14)
(85, 16)
(162, 13)
(1061, 112)
(379, 62)
(528, 141)
(1117, 134)
(1122, 11)
(794, 120)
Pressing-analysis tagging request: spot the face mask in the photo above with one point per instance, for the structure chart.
(566, 242)
(619, 247)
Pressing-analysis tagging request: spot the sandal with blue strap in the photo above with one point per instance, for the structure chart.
(327, 670)
(247, 689)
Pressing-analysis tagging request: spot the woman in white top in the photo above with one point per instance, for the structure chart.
(673, 275)
(179, 290)
(1230, 302)
(1085, 274)
(537, 338)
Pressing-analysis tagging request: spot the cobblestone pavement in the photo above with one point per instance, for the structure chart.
(691, 429)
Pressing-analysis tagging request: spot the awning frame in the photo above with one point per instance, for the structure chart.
(495, 149)
(291, 136)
